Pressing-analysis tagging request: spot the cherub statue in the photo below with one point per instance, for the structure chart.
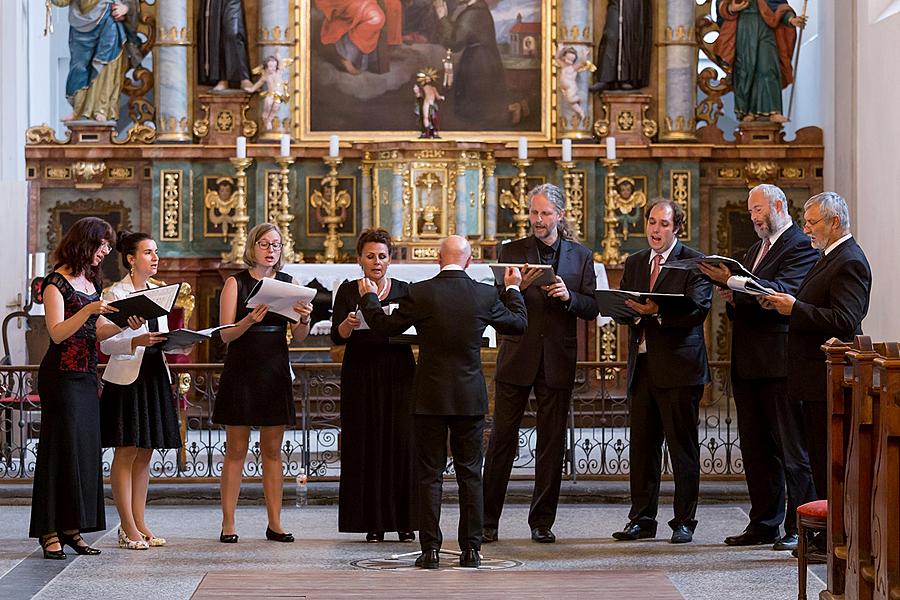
(271, 74)
(427, 97)
(569, 68)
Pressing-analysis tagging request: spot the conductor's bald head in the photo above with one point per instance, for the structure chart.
(455, 250)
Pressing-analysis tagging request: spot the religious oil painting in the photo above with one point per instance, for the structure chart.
(489, 62)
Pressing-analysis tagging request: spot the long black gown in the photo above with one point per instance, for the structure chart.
(631, 66)
(255, 387)
(377, 486)
(221, 42)
(68, 481)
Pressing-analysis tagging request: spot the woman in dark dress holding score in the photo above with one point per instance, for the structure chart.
(376, 489)
(67, 498)
(255, 387)
(138, 410)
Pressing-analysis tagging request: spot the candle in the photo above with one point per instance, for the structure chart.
(242, 147)
(567, 150)
(523, 148)
(611, 148)
(285, 144)
(40, 264)
(333, 146)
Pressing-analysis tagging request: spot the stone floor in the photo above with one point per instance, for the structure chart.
(705, 569)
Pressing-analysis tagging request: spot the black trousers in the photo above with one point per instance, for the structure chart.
(466, 433)
(552, 412)
(773, 448)
(815, 420)
(659, 414)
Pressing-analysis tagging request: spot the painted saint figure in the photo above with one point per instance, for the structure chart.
(222, 45)
(354, 27)
(623, 59)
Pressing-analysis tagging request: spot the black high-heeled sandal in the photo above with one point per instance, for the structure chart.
(77, 543)
(230, 538)
(49, 540)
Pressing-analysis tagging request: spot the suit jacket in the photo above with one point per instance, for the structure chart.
(676, 349)
(831, 302)
(124, 365)
(551, 332)
(759, 336)
(450, 312)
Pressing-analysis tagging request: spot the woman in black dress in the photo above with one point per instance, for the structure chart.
(67, 498)
(376, 489)
(137, 407)
(255, 387)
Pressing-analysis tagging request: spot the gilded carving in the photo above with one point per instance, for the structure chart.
(120, 173)
(680, 185)
(201, 126)
(649, 125)
(224, 121)
(58, 173)
(170, 204)
(44, 134)
(730, 172)
(793, 172)
(625, 120)
(138, 133)
(88, 175)
(248, 126)
(601, 125)
(760, 171)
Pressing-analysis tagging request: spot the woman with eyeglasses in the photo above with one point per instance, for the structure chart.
(67, 497)
(137, 407)
(255, 387)
(376, 491)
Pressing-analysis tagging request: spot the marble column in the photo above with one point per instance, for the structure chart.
(170, 62)
(678, 50)
(276, 38)
(462, 225)
(490, 199)
(366, 205)
(576, 32)
(397, 202)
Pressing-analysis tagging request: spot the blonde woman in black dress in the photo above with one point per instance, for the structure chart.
(138, 411)
(67, 498)
(255, 387)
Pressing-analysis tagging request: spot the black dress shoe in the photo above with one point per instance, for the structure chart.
(278, 537)
(230, 538)
(751, 538)
(49, 540)
(681, 535)
(489, 535)
(633, 531)
(429, 559)
(542, 535)
(470, 559)
(788, 541)
(77, 543)
(406, 536)
(375, 536)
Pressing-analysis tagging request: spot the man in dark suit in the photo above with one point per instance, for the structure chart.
(450, 313)
(770, 427)
(667, 369)
(831, 302)
(542, 360)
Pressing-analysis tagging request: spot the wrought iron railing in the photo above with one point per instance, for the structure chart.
(598, 435)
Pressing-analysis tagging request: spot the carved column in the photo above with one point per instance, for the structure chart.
(490, 198)
(575, 31)
(170, 61)
(461, 200)
(366, 205)
(679, 53)
(397, 202)
(275, 39)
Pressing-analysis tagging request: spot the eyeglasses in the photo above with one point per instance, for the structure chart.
(276, 246)
(813, 223)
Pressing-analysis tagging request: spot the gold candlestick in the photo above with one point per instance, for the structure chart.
(517, 199)
(284, 217)
(333, 203)
(611, 242)
(573, 186)
(240, 219)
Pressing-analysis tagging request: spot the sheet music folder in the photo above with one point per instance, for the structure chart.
(692, 264)
(182, 338)
(151, 303)
(612, 302)
(546, 277)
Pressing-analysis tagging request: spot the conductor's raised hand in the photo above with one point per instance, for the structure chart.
(529, 274)
(647, 309)
(258, 313)
(136, 322)
(512, 276)
(366, 286)
(557, 289)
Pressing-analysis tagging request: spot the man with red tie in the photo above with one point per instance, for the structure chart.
(667, 369)
(770, 427)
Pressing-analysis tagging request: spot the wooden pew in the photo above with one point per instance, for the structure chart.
(883, 574)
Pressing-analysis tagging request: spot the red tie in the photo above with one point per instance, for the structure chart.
(654, 272)
(762, 253)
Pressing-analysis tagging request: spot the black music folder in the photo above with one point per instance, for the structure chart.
(151, 303)
(612, 302)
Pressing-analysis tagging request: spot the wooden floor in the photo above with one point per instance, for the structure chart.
(316, 585)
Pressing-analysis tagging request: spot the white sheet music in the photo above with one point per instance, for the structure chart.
(164, 296)
(280, 296)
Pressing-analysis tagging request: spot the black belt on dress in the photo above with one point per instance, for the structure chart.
(266, 328)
